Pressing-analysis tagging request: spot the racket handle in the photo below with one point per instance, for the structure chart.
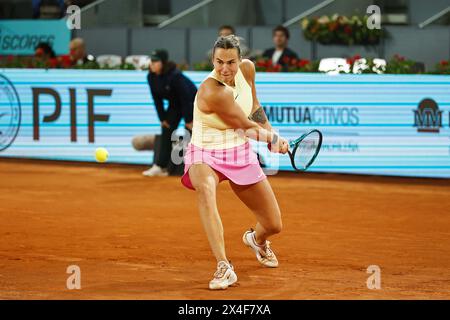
(269, 146)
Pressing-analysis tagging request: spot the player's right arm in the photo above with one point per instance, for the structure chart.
(216, 98)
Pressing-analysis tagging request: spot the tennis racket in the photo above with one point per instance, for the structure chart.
(304, 150)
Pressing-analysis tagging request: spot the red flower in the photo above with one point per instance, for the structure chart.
(399, 58)
(53, 62)
(286, 60)
(293, 62)
(348, 30)
(444, 63)
(333, 26)
(261, 63)
(356, 57)
(66, 61)
(277, 68)
(10, 58)
(303, 62)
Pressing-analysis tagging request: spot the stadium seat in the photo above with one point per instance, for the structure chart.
(360, 65)
(109, 60)
(334, 65)
(139, 61)
(379, 66)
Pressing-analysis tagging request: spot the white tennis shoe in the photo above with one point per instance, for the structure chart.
(264, 253)
(155, 171)
(223, 277)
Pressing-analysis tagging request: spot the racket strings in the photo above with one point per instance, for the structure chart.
(306, 151)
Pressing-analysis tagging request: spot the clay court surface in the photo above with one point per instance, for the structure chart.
(141, 238)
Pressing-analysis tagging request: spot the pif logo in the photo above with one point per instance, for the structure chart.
(10, 113)
(428, 117)
(91, 115)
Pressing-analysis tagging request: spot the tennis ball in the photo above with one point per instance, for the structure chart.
(101, 154)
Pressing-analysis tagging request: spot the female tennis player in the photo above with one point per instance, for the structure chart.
(226, 114)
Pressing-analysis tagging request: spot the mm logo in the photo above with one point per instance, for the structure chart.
(427, 117)
(10, 113)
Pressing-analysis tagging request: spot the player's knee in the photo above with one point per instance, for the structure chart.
(276, 227)
(206, 190)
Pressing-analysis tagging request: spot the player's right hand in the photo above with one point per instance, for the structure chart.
(282, 146)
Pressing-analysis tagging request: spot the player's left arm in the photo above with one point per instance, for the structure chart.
(257, 114)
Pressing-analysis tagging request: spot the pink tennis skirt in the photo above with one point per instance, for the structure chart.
(239, 164)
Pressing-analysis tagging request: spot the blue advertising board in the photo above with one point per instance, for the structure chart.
(20, 37)
(372, 124)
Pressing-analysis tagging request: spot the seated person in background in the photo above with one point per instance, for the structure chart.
(43, 52)
(78, 55)
(48, 9)
(227, 30)
(36, 5)
(280, 53)
(166, 82)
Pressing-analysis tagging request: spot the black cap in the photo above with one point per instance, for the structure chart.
(159, 55)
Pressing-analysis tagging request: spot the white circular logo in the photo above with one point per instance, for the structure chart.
(10, 113)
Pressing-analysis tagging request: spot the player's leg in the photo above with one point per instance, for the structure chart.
(205, 180)
(259, 198)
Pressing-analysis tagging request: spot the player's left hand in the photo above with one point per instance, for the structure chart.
(284, 146)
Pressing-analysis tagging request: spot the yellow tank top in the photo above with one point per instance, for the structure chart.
(209, 131)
